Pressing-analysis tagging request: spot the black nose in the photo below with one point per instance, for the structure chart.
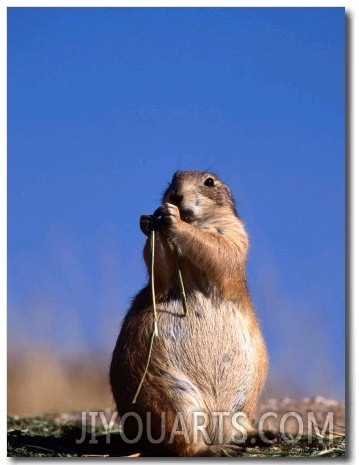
(176, 199)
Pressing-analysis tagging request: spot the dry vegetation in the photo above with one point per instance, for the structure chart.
(51, 436)
(41, 380)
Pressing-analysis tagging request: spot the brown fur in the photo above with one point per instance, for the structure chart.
(212, 360)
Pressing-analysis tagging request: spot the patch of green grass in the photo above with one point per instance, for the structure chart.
(43, 436)
(307, 446)
(34, 425)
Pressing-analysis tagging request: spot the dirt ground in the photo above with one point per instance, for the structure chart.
(293, 414)
(305, 423)
(317, 410)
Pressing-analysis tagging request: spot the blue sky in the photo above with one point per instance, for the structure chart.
(104, 104)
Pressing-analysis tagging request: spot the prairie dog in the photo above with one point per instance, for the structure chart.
(213, 359)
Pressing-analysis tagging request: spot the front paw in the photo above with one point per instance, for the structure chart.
(147, 224)
(170, 215)
(164, 218)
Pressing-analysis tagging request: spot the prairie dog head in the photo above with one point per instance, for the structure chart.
(199, 195)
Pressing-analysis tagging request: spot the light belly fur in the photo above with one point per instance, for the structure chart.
(210, 351)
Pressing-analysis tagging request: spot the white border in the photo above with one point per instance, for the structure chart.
(3, 217)
(352, 250)
(352, 10)
(176, 3)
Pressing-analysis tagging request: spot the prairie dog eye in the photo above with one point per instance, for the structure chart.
(209, 182)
